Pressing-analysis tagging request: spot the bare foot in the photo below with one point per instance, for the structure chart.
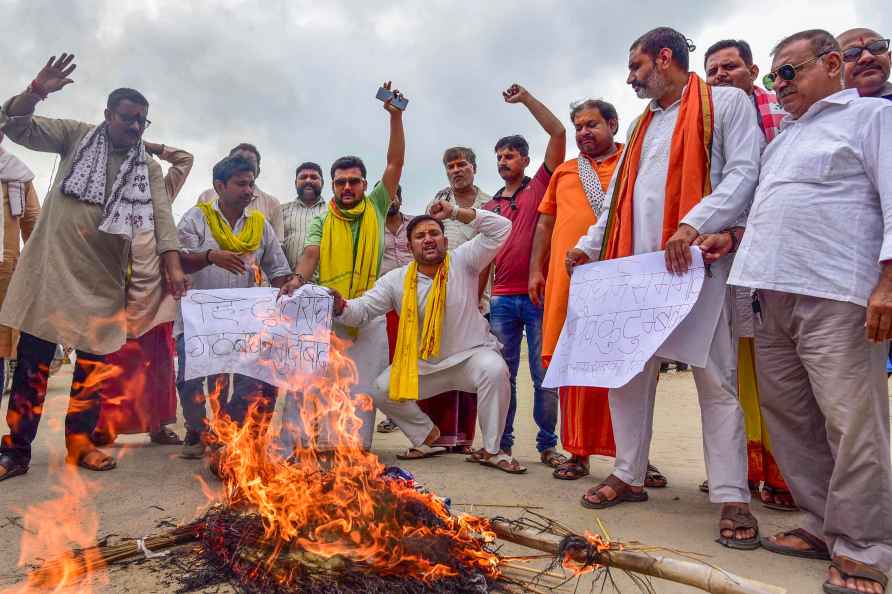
(791, 541)
(433, 436)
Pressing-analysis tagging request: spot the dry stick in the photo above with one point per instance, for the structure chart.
(697, 575)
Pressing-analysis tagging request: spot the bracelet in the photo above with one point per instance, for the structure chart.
(36, 89)
(733, 241)
(454, 214)
(300, 276)
(207, 257)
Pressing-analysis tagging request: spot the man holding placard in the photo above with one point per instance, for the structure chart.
(690, 167)
(226, 246)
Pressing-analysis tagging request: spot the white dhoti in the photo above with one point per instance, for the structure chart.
(724, 438)
(483, 372)
(370, 358)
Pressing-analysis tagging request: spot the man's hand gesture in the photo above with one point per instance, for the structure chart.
(575, 257)
(388, 105)
(228, 261)
(55, 74)
(678, 249)
(516, 94)
(441, 209)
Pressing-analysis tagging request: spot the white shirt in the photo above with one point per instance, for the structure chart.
(465, 330)
(821, 220)
(737, 142)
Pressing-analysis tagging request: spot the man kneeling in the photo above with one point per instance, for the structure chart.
(443, 343)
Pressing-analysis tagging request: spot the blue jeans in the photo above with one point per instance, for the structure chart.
(509, 316)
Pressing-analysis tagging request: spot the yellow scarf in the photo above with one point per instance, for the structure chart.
(248, 239)
(341, 267)
(404, 372)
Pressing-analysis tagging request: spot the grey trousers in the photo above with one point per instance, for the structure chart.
(825, 400)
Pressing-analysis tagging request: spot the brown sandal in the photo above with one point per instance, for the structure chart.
(624, 493)
(571, 470)
(741, 520)
(654, 479)
(769, 497)
(553, 458)
(165, 436)
(850, 569)
(818, 548)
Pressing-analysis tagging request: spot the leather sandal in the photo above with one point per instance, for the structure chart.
(849, 569)
(741, 520)
(818, 548)
(624, 494)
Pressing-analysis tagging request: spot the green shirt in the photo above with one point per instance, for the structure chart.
(380, 199)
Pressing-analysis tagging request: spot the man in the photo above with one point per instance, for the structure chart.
(99, 202)
(397, 253)
(512, 313)
(822, 341)
(572, 203)
(268, 205)
(867, 62)
(444, 341)
(19, 209)
(224, 242)
(347, 242)
(455, 413)
(665, 194)
(298, 213)
(729, 63)
(140, 396)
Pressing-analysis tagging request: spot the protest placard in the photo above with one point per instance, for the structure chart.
(250, 332)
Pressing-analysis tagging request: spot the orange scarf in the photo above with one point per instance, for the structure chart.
(688, 179)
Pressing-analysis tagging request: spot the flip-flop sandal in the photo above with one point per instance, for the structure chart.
(849, 569)
(741, 521)
(11, 467)
(624, 494)
(553, 458)
(108, 463)
(505, 463)
(166, 436)
(570, 471)
(771, 500)
(476, 457)
(818, 548)
(654, 479)
(421, 452)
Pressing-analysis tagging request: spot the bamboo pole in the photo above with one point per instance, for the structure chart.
(689, 573)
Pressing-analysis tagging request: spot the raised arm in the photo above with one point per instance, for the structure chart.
(180, 166)
(557, 134)
(492, 232)
(396, 146)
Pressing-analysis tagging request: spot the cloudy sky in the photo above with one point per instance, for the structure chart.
(298, 78)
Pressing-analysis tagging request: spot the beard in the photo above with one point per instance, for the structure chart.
(307, 192)
(394, 209)
(652, 87)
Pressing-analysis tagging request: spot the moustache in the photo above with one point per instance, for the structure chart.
(867, 68)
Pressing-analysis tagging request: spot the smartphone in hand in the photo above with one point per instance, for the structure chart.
(385, 95)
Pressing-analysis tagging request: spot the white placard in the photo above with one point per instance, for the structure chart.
(248, 331)
(619, 313)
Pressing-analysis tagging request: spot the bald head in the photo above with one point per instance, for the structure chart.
(869, 71)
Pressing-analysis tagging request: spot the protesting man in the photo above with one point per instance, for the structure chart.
(444, 342)
(690, 167)
(867, 62)
(729, 63)
(108, 190)
(298, 213)
(572, 203)
(19, 211)
(455, 413)
(822, 342)
(347, 243)
(140, 397)
(268, 205)
(226, 245)
(512, 313)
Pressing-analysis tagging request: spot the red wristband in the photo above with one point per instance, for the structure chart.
(35, 88)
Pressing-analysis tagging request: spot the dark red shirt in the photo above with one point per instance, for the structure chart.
(512, 264)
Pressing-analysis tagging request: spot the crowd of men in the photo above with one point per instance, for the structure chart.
(786, 189)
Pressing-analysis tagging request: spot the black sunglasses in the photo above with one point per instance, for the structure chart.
(130, 120)
(788, 71)
(876, 47)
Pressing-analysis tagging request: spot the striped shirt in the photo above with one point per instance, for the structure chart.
(297, 217)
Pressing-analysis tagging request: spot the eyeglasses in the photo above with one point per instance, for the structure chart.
(876, 47)
(788, 71)
(130, 120)
(343, 182)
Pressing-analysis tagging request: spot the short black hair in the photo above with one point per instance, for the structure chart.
(516, 142)
(246, 146)
(460, 152)
(821, 41)
(348, 162)
(606, 109)
(124, 94)
(308, 165)
(665, 37)
(742, 47)
(231, 165)
(420, 219)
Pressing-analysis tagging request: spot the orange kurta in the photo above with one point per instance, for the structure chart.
(585, 415)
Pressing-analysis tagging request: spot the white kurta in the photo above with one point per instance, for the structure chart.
(469, 359)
